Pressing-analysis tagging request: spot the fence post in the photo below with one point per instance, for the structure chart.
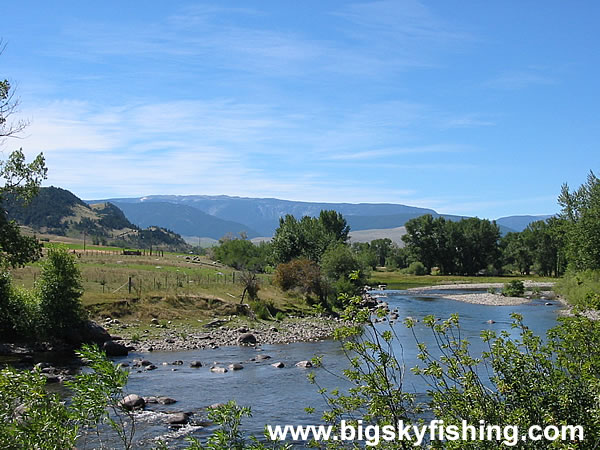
(129, 286)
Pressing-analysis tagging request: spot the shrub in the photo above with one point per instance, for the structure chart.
(60, 291)
(301, 273)
(20, 311)
(32, 417)
(263, 310)
(251, 285)
(522, 380)
(515, 288)
(416, 268)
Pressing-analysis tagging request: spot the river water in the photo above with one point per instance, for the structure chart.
(279, 396)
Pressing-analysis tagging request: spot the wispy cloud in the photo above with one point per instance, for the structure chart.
(466, 121)
(400, 20)
(519, 79)
(391, 152)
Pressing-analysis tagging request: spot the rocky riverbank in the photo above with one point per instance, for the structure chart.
(159, 336)
(544, 292)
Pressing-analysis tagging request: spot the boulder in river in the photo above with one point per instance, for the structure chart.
(235, 366)
(132, 402)
(246, 339)
(305, 364)
(218, 369)
(113, 348)
(94, 333)
(278, 365)
(179, 418)
(166, 400)
(195, 364)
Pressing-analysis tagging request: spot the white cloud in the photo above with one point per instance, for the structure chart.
(519, 79)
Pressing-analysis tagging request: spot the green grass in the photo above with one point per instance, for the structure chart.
(397, 280)
(90, 247)
(168, 287)
(581, 288)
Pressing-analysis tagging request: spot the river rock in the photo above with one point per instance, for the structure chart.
(235, 366)
(94, 333)
(215, 406)
(262, 357)
(113, 348)
(166, 400)
(141, 362)
(178, 418)
(278, 365)
(19, 413)
(304, 364)
(246, 339)
(217, 369)
(51, 378)
(178, 362)
(195, 364)
(491, 321)
(150, 367)
(132, 402)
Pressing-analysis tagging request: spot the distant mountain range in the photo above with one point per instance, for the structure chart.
(519, 223)
(188, 221)
(205, 216)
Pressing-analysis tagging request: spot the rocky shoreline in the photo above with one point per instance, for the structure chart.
(220, 332)
(488, 298)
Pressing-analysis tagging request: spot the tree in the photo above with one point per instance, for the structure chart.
(21, 180)
(60, 291)
(337, 264)
(240, 254)
(420, 240)
(308, 237)
(516, 252)
(365, 254)
(581, 211)
(382, 248)
(463, 247)
(8, 106)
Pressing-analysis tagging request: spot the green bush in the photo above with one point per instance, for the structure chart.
(20, 311)
(33, 418)
(60, 291)
(415, 268)
(515, 288)
(520, 379)
(263, 310)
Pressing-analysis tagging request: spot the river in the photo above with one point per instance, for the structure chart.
(279, 396)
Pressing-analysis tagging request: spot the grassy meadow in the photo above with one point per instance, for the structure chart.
(178, 287)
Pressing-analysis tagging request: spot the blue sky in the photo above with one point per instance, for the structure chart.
(469, 107)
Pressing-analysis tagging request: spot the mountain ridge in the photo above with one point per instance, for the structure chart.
(259, 217)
